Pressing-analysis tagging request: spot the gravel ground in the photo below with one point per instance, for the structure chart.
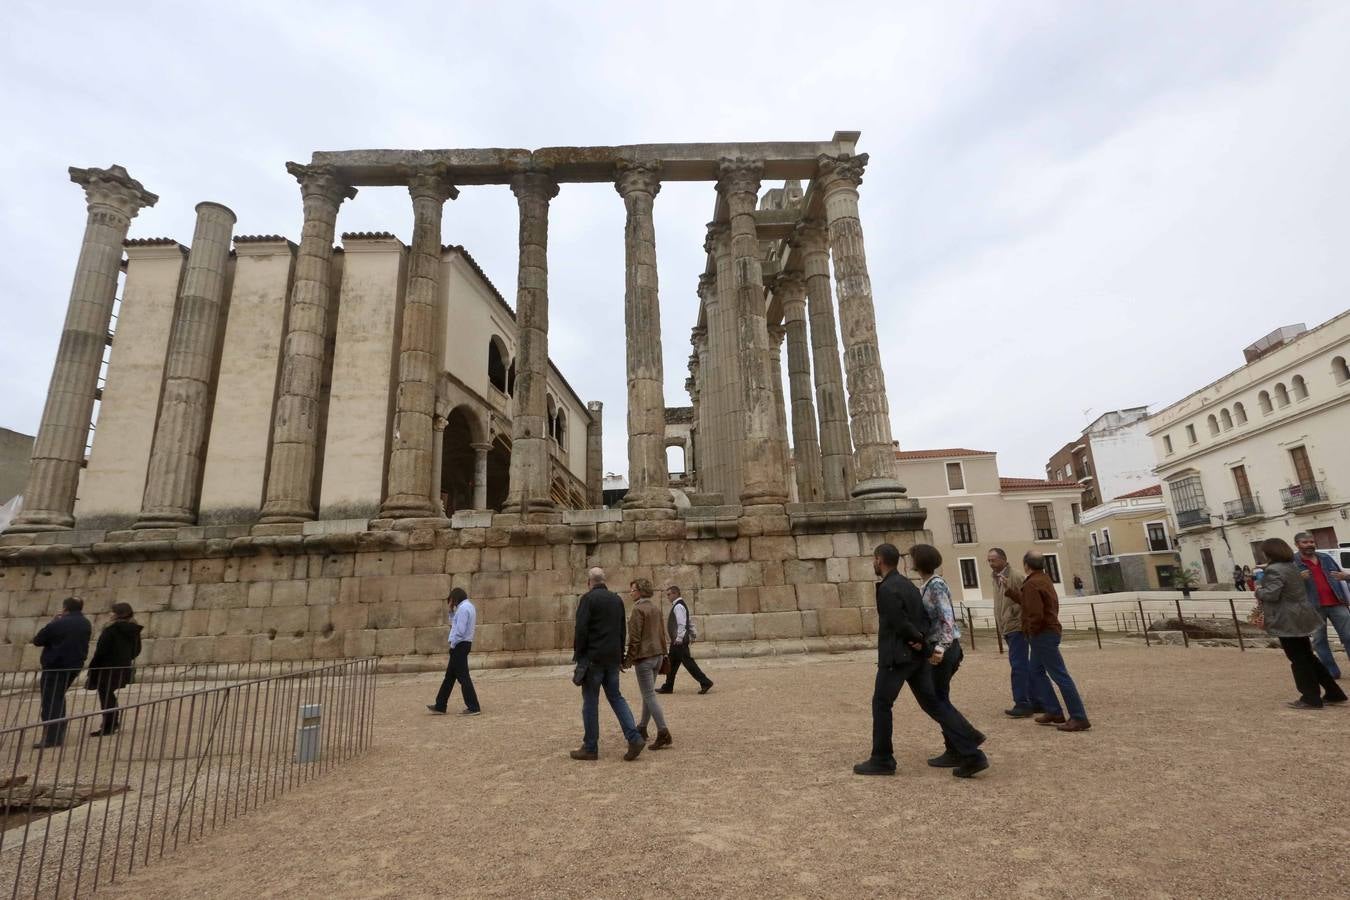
(1195, 781)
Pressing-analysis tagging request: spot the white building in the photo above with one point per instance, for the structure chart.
(1111, 457)
(1261, 452)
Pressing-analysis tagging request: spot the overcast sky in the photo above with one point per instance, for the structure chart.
(1071, 207)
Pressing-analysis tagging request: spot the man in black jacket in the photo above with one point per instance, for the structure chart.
(599, 643)
(65, 643)
(903, 657)
(680, 630)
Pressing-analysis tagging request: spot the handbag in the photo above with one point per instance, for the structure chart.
(579, 673)
(665, 666)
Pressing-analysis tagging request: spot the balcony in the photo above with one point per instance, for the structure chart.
(1301, 496)
(1243, 508)
(1192, 518)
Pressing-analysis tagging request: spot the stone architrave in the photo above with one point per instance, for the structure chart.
(877, 473)
(480, 470)
(114, 198)
(595, 465)
(836, 442)
(805, 444)
(763, 476)
(289, 492)
(648, 479)
(529, 482)
(178, 452)
(411, 461)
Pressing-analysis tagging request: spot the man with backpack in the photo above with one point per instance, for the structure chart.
(680, 628)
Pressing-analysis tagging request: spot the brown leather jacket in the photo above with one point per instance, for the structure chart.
(1040, 605)
(646, 632)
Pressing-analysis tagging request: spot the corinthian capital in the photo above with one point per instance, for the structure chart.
(113, 187)
(322, 182)
(707, 285)
(716, 232)
(833, 171)
(809, 235)
(534, 185)
(430, 182)
(739, 175)
(637, 177)
(790, 286)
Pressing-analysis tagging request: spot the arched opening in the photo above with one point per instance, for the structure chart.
(1240, 413)
(1340, 369)
(675, 460)
(1263, 400)
(499, 473)
(511, 380)
(560, 428)
(457, 461)
(497, 373)
(1300, 388)
(1281, 394)
(1226, 420)
(551, 412)
(1213, 423)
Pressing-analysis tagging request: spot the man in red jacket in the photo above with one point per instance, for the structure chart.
(1040, 623)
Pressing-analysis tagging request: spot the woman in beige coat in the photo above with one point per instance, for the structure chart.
(646, 650)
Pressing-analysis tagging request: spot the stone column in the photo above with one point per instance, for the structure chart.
(712, 465)
(289, 493)
(113, 199)
(877, 473)
(836, 444)
(174, 476)
(648, 478)
(694, 386)
(595, 464)
(776, 335)
(529, 487)
(764, 481)
(438, 424)
(410, 458)
(480, 459)
(728, 364)
(805, 445)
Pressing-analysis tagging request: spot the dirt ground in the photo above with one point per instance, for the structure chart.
(1195, 781)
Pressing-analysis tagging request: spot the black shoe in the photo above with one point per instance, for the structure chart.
(875, 766)
(1341, 699)
(948, 760)
(665, 690)
(472, 712)
(43, 745)
(707, 687)
(1020, 712)
(584, 754)
(1304, 704)
(635, 749)
(971, 767)
(103, 732)
(436, 709)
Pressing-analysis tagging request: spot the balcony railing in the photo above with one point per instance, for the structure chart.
(1242, 507)
(1306, 494)
(963, 533)
(1191, 518)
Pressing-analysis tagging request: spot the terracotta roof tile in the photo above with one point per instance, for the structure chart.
(260, 239)
(940, 454)
(368, 236)
(1035, 484)
(1154, 490)
(149, 242)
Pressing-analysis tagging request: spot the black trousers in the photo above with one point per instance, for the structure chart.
(680, 656)
(458, 670)
(107, 701)
(1310, 676)
(943, 673)
(53, 685)
(918, 674)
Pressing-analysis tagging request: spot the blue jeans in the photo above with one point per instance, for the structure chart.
(1047, 665)
(1339, 617)
(608, 678)
(1019, 660)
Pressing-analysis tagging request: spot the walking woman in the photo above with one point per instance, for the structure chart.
(1291, 618)
(646, 651)
(110, 670)
(944, 636)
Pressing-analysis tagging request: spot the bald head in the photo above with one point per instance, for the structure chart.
(1033, 561)
(595, 576)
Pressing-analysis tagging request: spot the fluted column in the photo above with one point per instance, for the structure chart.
(595, 465)
(776, 335)
(113, 199)
(712, 465)
(480, 466)
(529, 488)
(732, 428)
(836, 443)
(411, 454)
(648, 479)
(698, 361)
(174, 476)
(289, 494)
(805, 445)
(764, 478)
(877, 474)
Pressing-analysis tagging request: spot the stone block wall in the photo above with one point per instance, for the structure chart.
(264, 593)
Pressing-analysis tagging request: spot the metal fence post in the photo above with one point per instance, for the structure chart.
(1181, 622)
(970, 619)
(1242, 645)
(1095, 627)
(998, 635)
(1143, 623)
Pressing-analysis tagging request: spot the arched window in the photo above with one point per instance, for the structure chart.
(1213, 424)
(552, 413)
(1226, 420)
(1240, 413)
(560, 430)
(1340, 369)
(511, 380)
(1300, 388)
(1281, 394)
(1264, 401)
(497, 364)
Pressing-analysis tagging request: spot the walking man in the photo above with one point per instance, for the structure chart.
(463, 617)
(904, 649)
(1327, 590)
(598, 643)
(1040, 623)
(681, 631)
(65, 643)
(1008, 618)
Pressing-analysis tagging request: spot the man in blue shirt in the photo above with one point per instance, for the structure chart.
(463, 618)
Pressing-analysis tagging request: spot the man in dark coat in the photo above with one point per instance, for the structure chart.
(903, 651)
(65, 643)
(599, 644)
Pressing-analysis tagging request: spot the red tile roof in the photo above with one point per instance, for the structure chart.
(940, 454)
(1151, 491)
(1035, 484)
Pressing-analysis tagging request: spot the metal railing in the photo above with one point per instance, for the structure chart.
(1242, 507)
(1305, 494)
(88, 810)
(1190, 518)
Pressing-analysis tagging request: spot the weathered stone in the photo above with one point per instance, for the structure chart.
(846, 621)
(773, 548)
(729, 628)
(778, 625)
(858, 593)
(748, 574)
(817, 596)
(778, 598)
(814, 546)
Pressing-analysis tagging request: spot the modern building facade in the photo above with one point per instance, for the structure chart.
(972, 509)
(1130, 542)
(1264, 451)
(1111, 457)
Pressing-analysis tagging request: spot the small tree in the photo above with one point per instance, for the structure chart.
(1186, 578)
